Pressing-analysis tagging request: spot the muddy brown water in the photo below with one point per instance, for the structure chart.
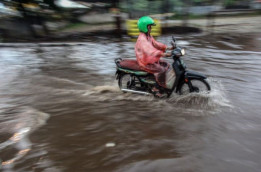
(61, 110)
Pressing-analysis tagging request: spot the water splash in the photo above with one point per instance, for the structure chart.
(106, 89)
(27, 121)
(213, 100)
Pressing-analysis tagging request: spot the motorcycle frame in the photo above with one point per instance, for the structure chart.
(182, 75)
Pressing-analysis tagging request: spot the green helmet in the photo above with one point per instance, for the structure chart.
(144, 22)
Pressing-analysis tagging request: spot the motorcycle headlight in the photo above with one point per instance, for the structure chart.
(182, 52)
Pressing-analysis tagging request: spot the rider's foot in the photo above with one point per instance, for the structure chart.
(154, 89)
(160, 95)
(157, 92)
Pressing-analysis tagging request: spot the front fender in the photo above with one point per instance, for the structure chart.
(192, 75)
(188, 76)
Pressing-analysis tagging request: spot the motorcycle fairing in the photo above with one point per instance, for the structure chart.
(148, 81)
(170, 78)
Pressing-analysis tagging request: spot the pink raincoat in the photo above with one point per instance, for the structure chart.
(148, 53)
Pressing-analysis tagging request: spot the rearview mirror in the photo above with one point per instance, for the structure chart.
(173, 38)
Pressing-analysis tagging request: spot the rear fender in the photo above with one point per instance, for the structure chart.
(117, 74)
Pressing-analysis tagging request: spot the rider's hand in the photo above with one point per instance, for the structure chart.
(170, 48)
(173, 45)
(168, 54)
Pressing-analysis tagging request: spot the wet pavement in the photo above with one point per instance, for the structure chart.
(61, 109)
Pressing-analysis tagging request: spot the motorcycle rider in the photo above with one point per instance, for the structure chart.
(149, 51)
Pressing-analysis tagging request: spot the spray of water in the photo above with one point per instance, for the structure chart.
(26, 121)
(213, 100)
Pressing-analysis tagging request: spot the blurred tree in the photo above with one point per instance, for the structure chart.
(203, 2)
(31, 11)
(50, 3)
(236, 4)
(228, 2)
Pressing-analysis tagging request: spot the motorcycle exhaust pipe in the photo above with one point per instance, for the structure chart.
(136, 92)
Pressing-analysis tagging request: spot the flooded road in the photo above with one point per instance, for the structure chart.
(61, 110)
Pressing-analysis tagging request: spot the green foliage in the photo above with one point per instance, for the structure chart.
(154, 7)
(140, 4)
(41, 3)
(229, 2)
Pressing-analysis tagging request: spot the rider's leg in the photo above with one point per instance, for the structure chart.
(159, 72)
(161, 76)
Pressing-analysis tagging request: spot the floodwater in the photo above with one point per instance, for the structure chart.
(61, 110)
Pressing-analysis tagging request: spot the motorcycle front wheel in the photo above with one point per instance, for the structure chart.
(195, 86)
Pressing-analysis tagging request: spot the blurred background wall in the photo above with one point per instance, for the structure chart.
(50, 19)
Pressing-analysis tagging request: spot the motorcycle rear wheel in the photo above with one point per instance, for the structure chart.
(125, 81)
(197, 86)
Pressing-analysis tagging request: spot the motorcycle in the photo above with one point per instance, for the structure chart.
(178, 79)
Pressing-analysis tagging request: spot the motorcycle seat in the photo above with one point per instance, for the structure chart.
(130, 64)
